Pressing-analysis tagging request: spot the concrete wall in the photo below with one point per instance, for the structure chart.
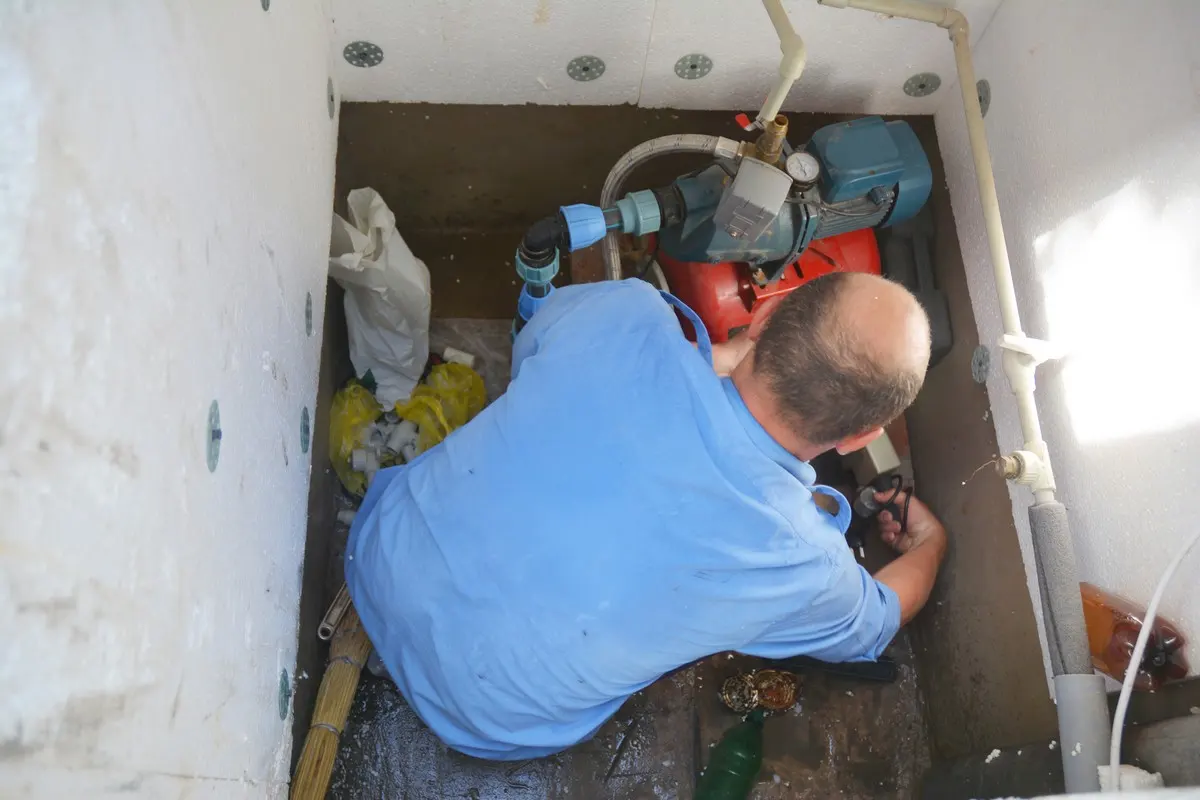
(458, 51)
(166, 174)
(1093, 127)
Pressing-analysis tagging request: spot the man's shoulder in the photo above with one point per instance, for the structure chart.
(607, 311)
(629, 291)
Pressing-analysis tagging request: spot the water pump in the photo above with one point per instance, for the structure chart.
(758, 205)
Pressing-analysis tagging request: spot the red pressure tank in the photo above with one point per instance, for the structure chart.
(725, 297)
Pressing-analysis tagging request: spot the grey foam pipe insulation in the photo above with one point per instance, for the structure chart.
(1058, 583)
(1079, 693)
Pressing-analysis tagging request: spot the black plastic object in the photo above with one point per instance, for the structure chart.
(866, 508)
(907, 253)
(542, 239)
(670, 205)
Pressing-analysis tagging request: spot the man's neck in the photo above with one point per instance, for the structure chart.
(761, 404)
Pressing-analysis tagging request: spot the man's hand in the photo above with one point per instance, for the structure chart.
(922, 524)
(921, 549)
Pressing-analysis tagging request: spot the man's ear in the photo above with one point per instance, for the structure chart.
(858, 442)
(761, 315)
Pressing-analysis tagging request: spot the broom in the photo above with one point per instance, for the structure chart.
(348, 651)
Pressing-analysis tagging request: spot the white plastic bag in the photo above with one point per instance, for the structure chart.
(387, 296)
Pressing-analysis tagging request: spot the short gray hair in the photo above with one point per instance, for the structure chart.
(828, 388)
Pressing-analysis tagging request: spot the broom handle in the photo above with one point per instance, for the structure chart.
(348, 651)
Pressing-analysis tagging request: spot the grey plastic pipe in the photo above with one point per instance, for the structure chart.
(1079, 692)
(677, 143)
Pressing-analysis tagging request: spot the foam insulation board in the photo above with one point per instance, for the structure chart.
(857, 62)
(1098, 177)
(457, 51)
(166, 175)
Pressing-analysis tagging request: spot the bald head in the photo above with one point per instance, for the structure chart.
(843, 354)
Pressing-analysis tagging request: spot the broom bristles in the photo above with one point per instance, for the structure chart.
(348, 651)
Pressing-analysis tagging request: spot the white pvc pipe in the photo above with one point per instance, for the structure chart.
(1084, 705)
(790, 66)
(1019, 367)
(956, 24)
(922, 12)
(1139, 650)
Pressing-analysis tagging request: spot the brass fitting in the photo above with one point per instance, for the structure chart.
(769, 147)
(1008, 467)
(1021, 466)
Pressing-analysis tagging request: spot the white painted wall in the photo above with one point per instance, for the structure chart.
(166, 173)
(1094, 129)
(465, 51)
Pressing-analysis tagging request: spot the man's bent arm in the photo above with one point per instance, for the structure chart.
(922, 548)
(911, 576)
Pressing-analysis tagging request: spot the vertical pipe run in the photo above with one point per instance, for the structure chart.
(1001, 268)
(1079, 693)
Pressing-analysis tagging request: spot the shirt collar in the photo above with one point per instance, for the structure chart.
(801, 470)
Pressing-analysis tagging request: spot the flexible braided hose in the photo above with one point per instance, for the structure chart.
(676, 143)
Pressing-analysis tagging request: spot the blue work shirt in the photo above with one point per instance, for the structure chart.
(616, 514)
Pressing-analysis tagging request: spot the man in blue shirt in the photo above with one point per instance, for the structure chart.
(631, 505)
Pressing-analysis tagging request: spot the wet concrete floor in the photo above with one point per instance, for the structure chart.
(844, 739)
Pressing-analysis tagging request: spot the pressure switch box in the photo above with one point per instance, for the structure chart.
(752, 202)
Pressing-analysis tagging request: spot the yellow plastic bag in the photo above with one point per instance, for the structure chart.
(354, 409)
(449, 398)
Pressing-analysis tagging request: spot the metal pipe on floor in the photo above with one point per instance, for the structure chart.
(1079, 692)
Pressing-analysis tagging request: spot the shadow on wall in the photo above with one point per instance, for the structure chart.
(1120, 292)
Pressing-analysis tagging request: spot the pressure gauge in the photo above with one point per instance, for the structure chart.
(803, 168)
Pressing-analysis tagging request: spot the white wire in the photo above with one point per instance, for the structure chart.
(1139, 650)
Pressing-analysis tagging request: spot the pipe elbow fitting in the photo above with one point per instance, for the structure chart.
(956, 23)
(793, 61)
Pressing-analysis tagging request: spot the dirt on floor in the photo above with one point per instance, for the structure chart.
(845, 738)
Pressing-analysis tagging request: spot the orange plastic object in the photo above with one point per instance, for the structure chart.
(1113, 624)
(725, 298)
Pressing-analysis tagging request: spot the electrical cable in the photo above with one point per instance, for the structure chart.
(897, 487)
(1139, 650)
(840, 212)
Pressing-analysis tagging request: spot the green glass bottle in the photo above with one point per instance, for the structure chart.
(735, 762)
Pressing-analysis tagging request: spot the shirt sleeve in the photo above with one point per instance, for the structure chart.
(853, 618)
(594, 311)
(532, 336)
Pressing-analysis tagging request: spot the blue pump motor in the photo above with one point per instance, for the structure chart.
(872, 174)
(869, 155)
